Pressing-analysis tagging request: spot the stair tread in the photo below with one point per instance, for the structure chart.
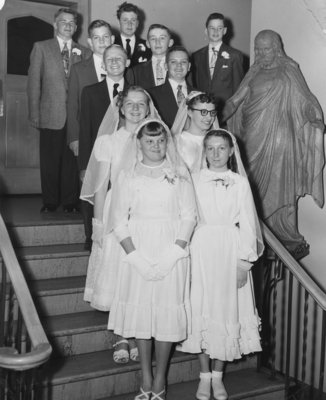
(55, 286)
(90, 365)
(88, 321)
(239, 384)
(52, 251)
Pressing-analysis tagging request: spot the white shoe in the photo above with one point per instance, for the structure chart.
(204, 389)
(218, 389)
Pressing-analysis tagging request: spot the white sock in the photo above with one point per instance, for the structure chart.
(204, 387)
(205, 375)
(218, 387)
(217, 374)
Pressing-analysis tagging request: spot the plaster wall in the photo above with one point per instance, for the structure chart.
(186, 18)
(302, 26)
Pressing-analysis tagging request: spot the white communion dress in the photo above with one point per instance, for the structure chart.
(103, 261)
(151, 211)
(190, 147)
(225, 322)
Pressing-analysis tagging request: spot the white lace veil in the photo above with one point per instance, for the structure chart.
(99, 167)
(182, 120)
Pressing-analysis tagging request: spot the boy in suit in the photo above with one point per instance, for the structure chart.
(128, 15)
(47, 86)
(152, 73)
(217, 68)
(85, 73)
(168, 96)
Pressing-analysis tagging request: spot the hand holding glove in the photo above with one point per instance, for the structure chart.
(144, 267)
(242, 272)
(169, 258)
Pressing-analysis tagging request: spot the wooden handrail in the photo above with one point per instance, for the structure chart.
(41, 348)
(306, 281)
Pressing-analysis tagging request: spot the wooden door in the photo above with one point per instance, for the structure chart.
(22, 23)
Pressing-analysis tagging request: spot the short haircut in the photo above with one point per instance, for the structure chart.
(201, 98)
(66, 11)
(159, 26)
(127, 7)
(232, 161)
(116, 46)
(215, 16)
(152, 128)
(176, 48)
(98, 23)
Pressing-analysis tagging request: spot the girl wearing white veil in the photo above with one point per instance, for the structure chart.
(225, 323)
(120, 122)
(153, 213)
(197, 114)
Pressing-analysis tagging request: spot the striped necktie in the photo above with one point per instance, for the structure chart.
(65, 58)
(180, 95)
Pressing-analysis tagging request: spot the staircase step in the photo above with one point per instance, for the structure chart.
(53, 261)
(95, 375)
(59, 296)
(243, 384)
(78, 333)
(59, 232)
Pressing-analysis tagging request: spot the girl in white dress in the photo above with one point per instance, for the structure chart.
(227, 241)
(131, 107)
(153, 213)
(194, 119)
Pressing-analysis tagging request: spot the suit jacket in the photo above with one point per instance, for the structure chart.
(228, 72)
(47, 83)
(141, 52)
(142, 75)
(81, 74)
(165, 101)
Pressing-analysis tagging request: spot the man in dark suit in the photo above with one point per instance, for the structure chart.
(168, 96)
(83, 74)
(128, 15)
(152, 73)
(47, 86)
(217, 68)
(96, 98)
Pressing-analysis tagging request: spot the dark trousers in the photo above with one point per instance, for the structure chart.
(87, 211)
(59, 173)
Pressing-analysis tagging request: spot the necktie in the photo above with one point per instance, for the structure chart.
(213, 61)
(180, 95)
(65, 58)
(115, 89)
(159, 73)
(128, 48)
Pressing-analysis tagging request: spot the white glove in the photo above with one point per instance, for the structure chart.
(242, 272)
(98, 231)
(169, 258)
(244, 265)
(144, 267)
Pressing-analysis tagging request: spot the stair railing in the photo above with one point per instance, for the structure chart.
(23, 343)
(292, 307)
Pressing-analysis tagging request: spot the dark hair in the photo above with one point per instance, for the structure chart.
(124, 93)
(66, 11)
(201, 98)
(176, 48)
(232, 162)
(98, 23)
(215, 16)
(127, 7)
(152, 128)
(117, 46)
(159, 26)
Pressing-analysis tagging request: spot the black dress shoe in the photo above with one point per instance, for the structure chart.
(70, 208)
(46, 208)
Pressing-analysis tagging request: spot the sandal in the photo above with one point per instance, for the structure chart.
(133, 350)
(121, 356)
(157, 396)
(143, 395)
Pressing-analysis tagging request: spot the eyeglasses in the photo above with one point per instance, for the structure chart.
(204, 112)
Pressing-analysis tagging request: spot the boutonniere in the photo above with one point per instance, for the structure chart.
(225, 55)
(142, 59)
(170, 176)
(141, 47)
(227, 181)
(76, 52)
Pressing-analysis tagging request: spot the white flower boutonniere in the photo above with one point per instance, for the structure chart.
(226, 182)
(225, 55)
(170, 176)
(141, 47)
(76, 52)
(142, 59)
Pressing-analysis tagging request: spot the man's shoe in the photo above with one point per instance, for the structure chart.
(46, 208)
(70, 208)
